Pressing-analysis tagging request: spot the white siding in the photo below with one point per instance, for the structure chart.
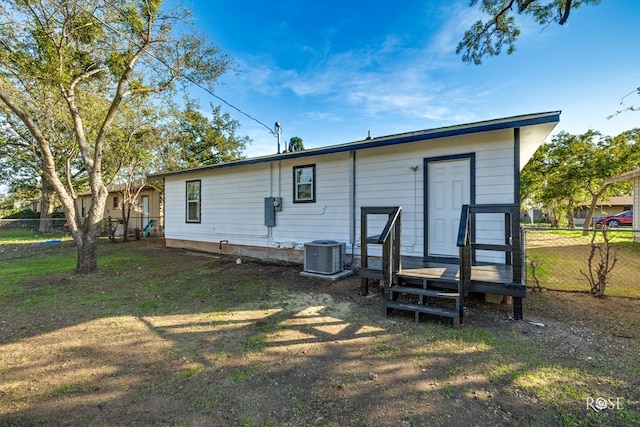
(328, 217)
(233, 197)
(386, 177)
(232, 205)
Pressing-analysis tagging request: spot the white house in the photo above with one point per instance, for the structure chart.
(146, 207)
(318, 192)
(454, 190)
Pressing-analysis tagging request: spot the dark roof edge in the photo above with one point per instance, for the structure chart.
(449, 131)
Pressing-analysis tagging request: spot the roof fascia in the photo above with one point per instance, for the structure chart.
(446, 132)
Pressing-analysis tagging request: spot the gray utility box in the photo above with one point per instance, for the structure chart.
(271, 206)
(324, 256)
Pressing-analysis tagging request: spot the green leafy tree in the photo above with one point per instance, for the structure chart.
(129, 156)
(21, 162)
(499, 31)
(295, 144)
(192, 139)
(68, 53)
(572, 169)
(545, 180)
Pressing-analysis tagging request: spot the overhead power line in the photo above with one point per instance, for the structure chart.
(229, 104)
(271, 131)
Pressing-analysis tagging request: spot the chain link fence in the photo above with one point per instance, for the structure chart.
(59, 224)
(558, 259)
(148, 226)
(29, 224)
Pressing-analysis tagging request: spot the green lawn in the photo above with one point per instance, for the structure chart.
(27, 236)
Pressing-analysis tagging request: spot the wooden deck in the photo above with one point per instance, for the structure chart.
(420, 282)
(489, 278)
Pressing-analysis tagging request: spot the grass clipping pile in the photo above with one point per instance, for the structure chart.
(171, 337)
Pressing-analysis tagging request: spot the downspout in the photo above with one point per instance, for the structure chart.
(279, 178)
(161, 207)
(517, 201)
(516, 166)
(270, 179)
(352, 203)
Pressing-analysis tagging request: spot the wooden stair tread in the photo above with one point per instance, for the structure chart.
(441, 274)
(427, 309)
(425, 292)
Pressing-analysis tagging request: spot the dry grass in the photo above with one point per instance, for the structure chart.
(170, 337)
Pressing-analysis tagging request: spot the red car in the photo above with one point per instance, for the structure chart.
(613, 221)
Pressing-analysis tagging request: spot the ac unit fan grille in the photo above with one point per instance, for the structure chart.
(324, 257)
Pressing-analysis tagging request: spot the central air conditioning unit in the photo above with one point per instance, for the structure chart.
(324, 256)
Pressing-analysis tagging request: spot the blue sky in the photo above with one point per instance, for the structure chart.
(331, 71)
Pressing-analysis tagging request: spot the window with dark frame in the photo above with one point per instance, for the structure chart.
(304, 184)
(193, 201)
(115, 202)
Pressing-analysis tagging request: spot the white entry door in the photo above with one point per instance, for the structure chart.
(449, 188)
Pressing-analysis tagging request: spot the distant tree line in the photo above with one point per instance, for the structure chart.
(570, 170)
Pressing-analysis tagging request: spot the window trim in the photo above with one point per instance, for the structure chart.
(199, 201)
(296, 198)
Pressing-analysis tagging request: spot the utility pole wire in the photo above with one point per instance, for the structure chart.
(271, 131)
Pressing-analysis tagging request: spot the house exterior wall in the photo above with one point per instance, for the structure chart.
(114, 211)
(233, 207)
(233, 211)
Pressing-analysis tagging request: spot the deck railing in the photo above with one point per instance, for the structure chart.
(511, 247)
(464, 245)
(389, 238)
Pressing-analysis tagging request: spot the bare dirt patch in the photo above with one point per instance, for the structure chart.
(169, 337)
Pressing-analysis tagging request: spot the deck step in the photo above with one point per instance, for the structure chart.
(426, 309)
(443, 275)
(425, 292)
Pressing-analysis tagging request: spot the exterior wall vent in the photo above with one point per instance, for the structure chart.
(324, 256)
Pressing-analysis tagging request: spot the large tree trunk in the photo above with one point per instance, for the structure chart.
(88, 251)
(46, 210)
(126, 214)
(88, 235)
(553, 210)
(86, 231)
(571, 220)
(592, 208)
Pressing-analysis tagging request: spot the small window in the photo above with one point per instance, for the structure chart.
(193, 201)
(115, 202)
(304, 184)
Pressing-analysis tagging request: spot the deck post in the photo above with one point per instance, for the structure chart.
(390, 241)
(387, 269)
(517, 308)
(508, 239)
(364, 257)
(397, 254)
(364, 286)
(516, 243)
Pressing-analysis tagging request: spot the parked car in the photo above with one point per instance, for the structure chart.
(623, 218)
